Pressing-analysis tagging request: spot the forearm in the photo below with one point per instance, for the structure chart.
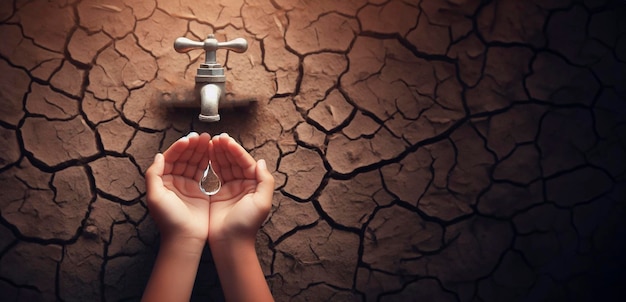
(239, 271)
(174, 271)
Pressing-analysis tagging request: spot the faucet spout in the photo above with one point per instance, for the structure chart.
(210, 95)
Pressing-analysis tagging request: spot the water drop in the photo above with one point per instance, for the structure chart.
(210, 183)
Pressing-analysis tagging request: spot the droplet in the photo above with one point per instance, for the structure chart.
(210, 183)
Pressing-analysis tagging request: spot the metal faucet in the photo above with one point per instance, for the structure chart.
(210, 75)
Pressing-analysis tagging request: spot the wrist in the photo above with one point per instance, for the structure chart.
(232, 241)
(231, 250)
(227, 246)
(182, 245)
(174, 270)
(239, 270)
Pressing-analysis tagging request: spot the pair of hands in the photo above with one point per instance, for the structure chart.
(183, 212)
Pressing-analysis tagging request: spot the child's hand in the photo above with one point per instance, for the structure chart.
(175, 201)
(237, 211)
(240, 207)
(181, 212)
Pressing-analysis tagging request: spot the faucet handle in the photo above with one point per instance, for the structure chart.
(210, 46)
(183, 44)
(237, 45)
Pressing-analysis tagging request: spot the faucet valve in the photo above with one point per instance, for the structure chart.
(210, 71)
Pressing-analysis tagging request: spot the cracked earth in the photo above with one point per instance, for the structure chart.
(423, 150)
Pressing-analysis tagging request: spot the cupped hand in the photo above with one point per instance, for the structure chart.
(240, 207)
(175, 201)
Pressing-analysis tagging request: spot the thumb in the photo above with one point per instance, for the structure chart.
(154, 180)
(265, 186)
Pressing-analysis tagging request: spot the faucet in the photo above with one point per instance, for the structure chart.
(210, 75)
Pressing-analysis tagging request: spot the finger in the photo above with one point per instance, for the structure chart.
(154, 180)
(200, 148)
(189, 151)
(212, 158)
(265, 187)
(204, 163)
(219, 159)
(182, 162)
(173, 153)
(235, 169)
(194, 164)
(242, 163)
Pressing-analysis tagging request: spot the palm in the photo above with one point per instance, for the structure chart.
(230, 209)
(186, 206)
